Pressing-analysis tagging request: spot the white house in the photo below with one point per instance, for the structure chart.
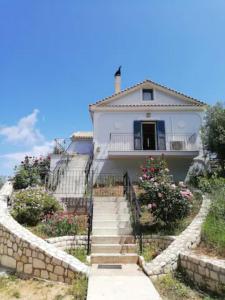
(147, 119)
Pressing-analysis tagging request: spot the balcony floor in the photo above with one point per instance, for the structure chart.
(142, 153)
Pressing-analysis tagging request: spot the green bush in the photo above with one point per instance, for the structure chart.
(32, 171)
(60, 224)
(213, 229)
(167, 202)
(32, 205)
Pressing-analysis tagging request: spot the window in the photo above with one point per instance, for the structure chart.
(147, 94)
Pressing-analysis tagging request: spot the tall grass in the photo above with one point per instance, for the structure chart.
(213, 230)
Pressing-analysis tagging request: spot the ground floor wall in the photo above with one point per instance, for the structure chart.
(178, 166)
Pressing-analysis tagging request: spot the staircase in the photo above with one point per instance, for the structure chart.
(112, 239)
(72, 180)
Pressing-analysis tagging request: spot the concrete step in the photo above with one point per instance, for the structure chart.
(108, 210)
(111, 223)
(114, 258)
(113, 239)
(111, 216)
(111, 231)
(114, 248)
(108, 199)
(110, 205)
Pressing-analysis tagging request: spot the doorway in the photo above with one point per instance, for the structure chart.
(149, 136)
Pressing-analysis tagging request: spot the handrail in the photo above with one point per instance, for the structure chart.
(90, 212)
(135, 209)
(60, 167)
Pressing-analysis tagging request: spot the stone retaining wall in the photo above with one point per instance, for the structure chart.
(30, 255)
(207, 272)
(69, 242)
(189, 238)
(162, 241)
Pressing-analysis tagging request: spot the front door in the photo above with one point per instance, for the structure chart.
(149, 136)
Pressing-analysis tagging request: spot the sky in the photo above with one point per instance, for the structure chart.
(58, 56)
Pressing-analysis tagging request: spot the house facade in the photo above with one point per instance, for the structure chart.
(146, 119)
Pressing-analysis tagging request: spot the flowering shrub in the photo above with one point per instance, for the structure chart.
(32, 171)
(32, 205)
(60, 224)
(166, 201)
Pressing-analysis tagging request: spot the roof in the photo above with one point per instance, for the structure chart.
(193, 101)
(82, 135)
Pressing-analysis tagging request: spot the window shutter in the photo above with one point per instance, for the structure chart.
(161, 136)
(137, 135)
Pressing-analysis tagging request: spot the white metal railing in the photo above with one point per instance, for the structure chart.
(173, 142)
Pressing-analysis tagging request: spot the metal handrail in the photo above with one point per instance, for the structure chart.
(55, 176)
(90, 212)
(173, 142)
(135, 209)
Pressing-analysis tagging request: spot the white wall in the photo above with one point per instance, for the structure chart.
(81, 146)
(159, 98)
(122, 122)
(188, 122)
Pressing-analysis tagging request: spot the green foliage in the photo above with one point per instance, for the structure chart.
(32, 205)
(60, 224)
(213, 229)
(79, 288)
(79, 253)
(151, 251)
(210, 184)
(32, 171)
(213, 132)
(167, 202)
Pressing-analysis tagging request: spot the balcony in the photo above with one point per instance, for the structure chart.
(126, 144)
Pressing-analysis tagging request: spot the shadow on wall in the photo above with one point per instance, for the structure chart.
(178, 166)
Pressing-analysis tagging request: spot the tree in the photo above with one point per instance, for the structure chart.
(32, 171)
(213, 132)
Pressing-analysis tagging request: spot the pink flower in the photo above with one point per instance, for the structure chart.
(160, 195)
(150, 206)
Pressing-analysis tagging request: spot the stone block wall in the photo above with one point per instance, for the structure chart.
(69, 242)
(207, 272)
(30, 255)
(162, 241)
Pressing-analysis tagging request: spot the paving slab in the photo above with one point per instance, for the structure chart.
(119, 284)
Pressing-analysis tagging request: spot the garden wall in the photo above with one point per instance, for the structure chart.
(30, 255)
(69, 242)
(189, 238)
(162, 241)
(207, 272)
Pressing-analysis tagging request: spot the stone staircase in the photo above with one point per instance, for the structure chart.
(72, 180)
(112, 239)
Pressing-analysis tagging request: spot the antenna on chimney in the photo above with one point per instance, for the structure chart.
(117, 76)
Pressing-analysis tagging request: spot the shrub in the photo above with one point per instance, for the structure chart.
(166, 201)
(60, 224)
(32, 171)
(32, 205)
(213, 229)
(213, 133)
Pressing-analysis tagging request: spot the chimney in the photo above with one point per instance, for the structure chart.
(117, 76)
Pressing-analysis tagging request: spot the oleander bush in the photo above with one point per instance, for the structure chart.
(167, 202)
(32, 205)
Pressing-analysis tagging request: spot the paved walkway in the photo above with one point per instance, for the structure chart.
(128, 283)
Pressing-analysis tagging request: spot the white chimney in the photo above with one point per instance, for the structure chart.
(117, 77)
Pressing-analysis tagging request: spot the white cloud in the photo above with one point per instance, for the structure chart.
(24, 132)
(26, 135)
(10, 160)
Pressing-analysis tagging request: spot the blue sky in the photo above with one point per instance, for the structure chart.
(56, 57)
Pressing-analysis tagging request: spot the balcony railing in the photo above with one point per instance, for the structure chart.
(120, 142)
